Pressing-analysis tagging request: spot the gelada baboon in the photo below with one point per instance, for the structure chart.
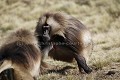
(69, 38)
(20, 52)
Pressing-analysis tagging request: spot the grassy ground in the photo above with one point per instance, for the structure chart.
(102, 17)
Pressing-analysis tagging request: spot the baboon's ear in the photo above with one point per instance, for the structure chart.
(5, 64)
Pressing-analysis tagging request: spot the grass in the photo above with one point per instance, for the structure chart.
(102, 17)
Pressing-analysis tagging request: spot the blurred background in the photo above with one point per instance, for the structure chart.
(102, 17)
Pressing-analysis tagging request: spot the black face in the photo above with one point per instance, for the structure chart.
(46, 32)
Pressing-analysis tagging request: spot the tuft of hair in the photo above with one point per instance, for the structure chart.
(23, 35)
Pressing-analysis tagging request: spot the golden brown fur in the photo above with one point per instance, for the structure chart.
(67, 29)
(21, 52)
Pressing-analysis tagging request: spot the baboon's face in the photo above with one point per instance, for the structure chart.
(46, 29)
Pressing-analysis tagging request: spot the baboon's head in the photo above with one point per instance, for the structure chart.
(52, 24)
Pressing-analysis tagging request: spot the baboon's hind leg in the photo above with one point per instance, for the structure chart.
(82, 63)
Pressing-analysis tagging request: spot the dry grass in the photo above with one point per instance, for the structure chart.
(102, 17)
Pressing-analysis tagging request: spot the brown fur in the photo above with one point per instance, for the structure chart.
(74, 33)
(21, 52)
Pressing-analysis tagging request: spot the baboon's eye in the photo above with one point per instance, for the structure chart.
(46, 28)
